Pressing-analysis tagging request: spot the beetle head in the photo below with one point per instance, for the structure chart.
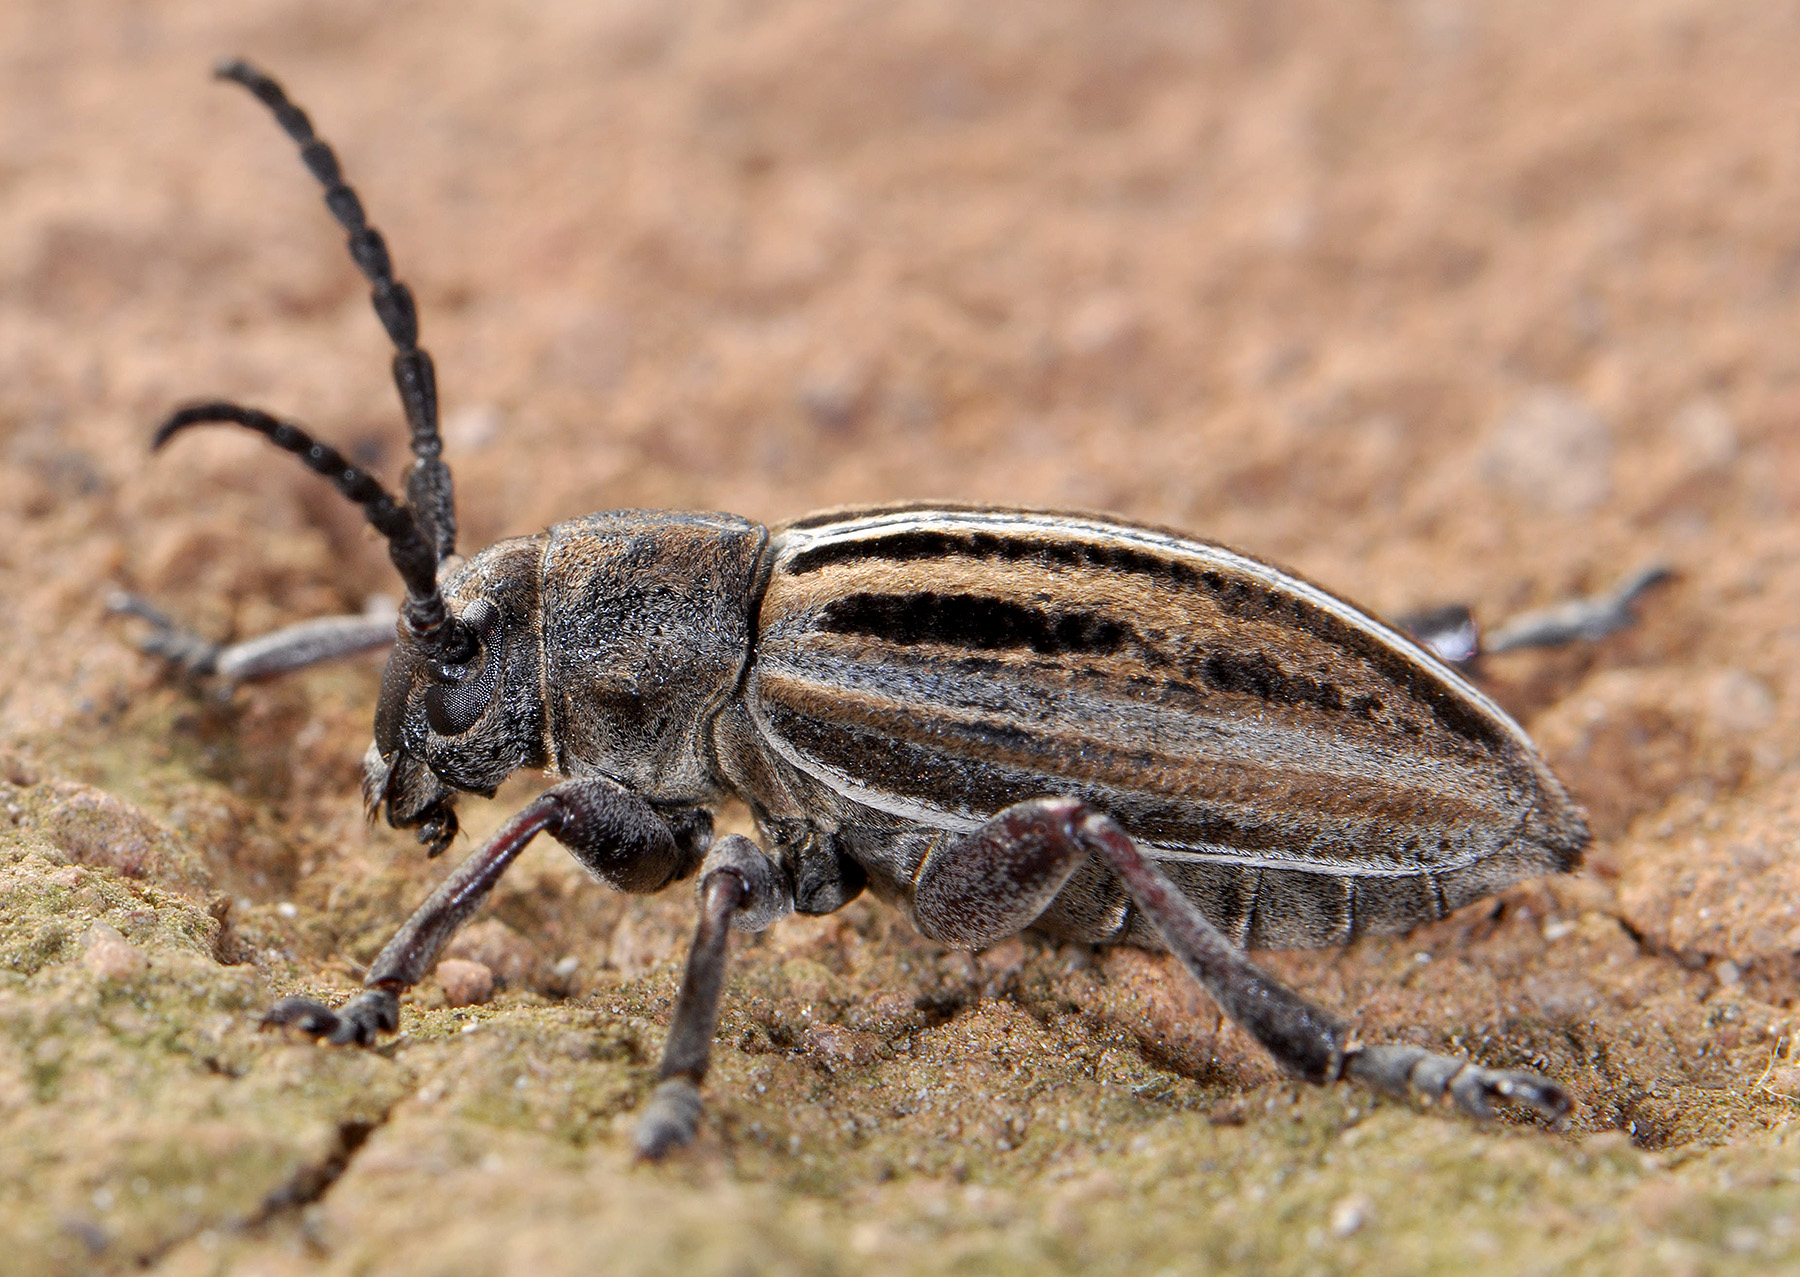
(465, 719)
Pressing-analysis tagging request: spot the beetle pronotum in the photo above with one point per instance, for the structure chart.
(994, 719)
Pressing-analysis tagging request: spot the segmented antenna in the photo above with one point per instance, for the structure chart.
(410, 548)
(430, 492)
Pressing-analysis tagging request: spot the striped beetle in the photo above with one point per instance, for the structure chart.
(993, 719)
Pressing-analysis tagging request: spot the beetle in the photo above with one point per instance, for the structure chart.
(993, 719)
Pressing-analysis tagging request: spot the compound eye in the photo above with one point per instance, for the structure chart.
(453, 708)
(460, 694)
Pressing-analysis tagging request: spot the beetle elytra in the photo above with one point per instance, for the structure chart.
(993, 719)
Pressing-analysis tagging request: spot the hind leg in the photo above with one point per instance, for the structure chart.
(995, 880)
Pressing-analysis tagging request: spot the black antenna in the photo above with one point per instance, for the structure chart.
(413, 555)
(430, 492)
(421, 532)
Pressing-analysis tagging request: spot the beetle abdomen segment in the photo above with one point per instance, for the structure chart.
(1266, 908)
(1265, 741)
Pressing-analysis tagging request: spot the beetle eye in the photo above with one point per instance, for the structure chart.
(452, 708)
(459, 694)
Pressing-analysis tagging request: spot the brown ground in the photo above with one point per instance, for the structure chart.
(1431, 300)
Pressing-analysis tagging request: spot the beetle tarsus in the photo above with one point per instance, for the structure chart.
(1410, 1072)
(366, 1017)
(359, 1022)
(669, 1120)
(314, 1019)
(1450, 633)
(1589, 618)
(293, 647)
(181, 647)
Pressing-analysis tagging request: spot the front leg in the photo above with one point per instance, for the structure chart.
(619, 837)
(997, 879)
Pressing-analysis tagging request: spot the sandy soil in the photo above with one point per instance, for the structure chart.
(1430, 300)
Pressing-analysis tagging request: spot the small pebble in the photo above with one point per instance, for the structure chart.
(841, 1045)
(465, 983)
(112, 957)
(510, 956)
(1350, 1213)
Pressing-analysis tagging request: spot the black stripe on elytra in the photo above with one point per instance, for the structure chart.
(1256, 674)
(1253, 600)
(973, 622)
(913, 544)
(1237, 596)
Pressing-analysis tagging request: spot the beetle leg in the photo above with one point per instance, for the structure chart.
(413, 951)
(742, 887)
(1408, 1071)
(1450, 633)
(978, 888)
(1304, 1039)
(1591, 617)
(293, 647)
(615, 833)
(999, 878)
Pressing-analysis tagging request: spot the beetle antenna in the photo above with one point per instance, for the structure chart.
(409, 546)
(430, 491)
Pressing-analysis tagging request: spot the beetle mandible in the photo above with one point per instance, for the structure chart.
(993, 719)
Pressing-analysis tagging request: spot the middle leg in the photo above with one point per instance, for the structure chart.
(740, 887)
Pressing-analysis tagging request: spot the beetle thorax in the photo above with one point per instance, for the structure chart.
(646, 634)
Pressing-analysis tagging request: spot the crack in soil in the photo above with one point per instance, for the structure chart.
(308, 1184)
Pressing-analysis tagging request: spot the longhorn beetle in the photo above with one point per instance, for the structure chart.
(993, 719)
